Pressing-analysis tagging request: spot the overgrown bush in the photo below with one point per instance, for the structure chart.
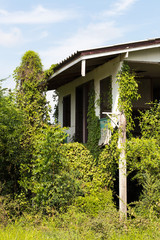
(150, 122)
(80, 162)
(11, 151)
(53, 184)
(93, 174)
(93, 203)
(107, 164)
(143, 156)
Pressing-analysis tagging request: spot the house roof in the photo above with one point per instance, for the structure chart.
(71, 68)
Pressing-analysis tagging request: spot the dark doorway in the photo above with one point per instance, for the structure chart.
(82, 98)
(156, 90)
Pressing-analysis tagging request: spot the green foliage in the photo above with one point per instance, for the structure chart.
(31, 99)
(56, 101)
(150, 122)
(107, 164)
(149, 204)
(53, 184)
(143, 156)
(49, 72)
(92, 174)
(80, 161)
(31, 89)
(11, 152)
(94, 133)
(75, 224)
(39, 173)
(95, 202)
(128, 92)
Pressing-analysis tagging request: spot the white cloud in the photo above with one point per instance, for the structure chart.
(119, 7)
(94, 35)
(36, 16)
(10, 39)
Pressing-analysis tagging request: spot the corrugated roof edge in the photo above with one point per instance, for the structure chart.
(110, 48)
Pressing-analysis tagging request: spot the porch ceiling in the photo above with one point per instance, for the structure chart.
(146, 69)
(74, 71)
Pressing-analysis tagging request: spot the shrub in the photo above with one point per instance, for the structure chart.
(52, 183)
(80, 162)
(94, 202)
(143, 155)
(107, 165)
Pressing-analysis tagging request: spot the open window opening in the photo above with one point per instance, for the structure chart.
(82, 98)
(67, 111)
(105, 96)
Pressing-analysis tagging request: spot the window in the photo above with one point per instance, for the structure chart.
(82, 98)
(67, 111)
(105, 96)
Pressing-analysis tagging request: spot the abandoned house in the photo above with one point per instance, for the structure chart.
(99, 67)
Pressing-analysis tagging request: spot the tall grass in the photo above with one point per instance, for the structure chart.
(76, 225)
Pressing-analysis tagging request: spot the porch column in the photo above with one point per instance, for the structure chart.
(122, 167)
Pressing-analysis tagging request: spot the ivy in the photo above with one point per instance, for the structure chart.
(106, 168)
(94, 133)
(31, 99)
(31, 89)
(128, 92)
(56, 100)
(150, 122)
(49, 72)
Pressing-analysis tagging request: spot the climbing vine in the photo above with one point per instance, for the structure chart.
(48, 73)
(128, 92)
(56, 100)
(93, 125)
(30, 99)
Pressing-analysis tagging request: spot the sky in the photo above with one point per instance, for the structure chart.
(56, 29)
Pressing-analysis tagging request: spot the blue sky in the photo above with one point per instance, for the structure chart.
(56, 29)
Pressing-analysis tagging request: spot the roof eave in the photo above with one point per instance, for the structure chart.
(102, 52)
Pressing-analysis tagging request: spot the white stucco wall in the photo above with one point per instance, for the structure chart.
(108, 69)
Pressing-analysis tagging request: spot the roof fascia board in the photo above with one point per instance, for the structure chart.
(126, 50)
(66, 67)
(97, 55)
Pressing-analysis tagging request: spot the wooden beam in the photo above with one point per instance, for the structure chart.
(83, 68)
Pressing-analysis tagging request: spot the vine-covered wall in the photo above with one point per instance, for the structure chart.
(108, 69)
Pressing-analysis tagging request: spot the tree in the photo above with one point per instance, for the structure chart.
(31, 99)
(31, 89)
